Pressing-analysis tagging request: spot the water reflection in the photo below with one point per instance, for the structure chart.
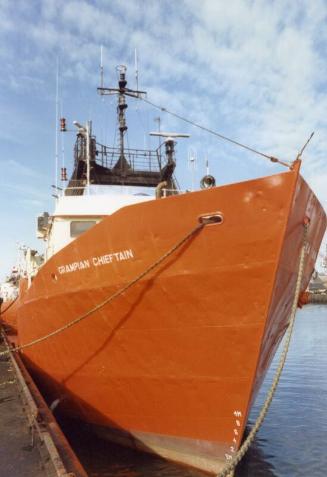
(256, 462)
(105, 459)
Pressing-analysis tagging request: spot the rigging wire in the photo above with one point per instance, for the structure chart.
(305, 145)
(142, 124)
(215, 133)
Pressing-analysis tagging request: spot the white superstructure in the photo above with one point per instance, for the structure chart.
(74, 214)
(8, 291)
(104, 178)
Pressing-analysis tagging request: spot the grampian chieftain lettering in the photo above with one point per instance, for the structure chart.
(96, 261)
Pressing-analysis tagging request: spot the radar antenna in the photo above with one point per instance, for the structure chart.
(168, 135)
(169, 145)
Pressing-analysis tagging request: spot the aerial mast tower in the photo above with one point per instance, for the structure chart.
(121, 92)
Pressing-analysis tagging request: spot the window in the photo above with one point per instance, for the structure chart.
(78, 227)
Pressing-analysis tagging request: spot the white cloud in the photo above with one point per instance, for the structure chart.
(28, 192)
(14, 169)
(318, 183)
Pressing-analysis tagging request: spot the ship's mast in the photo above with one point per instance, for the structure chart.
(99, 164)
(121, 91)
(122, 106)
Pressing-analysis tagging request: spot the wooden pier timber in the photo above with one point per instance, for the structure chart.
(31, 442)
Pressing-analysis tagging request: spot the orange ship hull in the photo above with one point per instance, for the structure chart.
(8, 315)
(173, 365)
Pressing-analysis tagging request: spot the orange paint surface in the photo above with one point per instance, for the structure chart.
(182, 353)
(8, 315)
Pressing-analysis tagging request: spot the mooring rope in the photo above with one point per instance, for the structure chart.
(230, 466)
(188, 236)
(10, 304)
(248, 441)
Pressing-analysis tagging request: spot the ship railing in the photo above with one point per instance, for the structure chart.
(168, 192)
(79, 187)
(138, 159)
(75, 188)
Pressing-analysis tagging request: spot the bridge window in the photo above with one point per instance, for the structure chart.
(78, 227)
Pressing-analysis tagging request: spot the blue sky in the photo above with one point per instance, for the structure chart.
(253, 70)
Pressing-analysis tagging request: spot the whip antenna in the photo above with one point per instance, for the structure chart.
(101, 66)
(207, 166)
(57, 120)
(192, 160)
(158, 120)
(62, 130)
(136, 69)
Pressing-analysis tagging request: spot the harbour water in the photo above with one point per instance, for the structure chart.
(292, 440)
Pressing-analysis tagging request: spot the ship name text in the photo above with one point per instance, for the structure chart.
(96, 261)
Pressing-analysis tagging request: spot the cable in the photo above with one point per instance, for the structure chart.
(215, 133)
